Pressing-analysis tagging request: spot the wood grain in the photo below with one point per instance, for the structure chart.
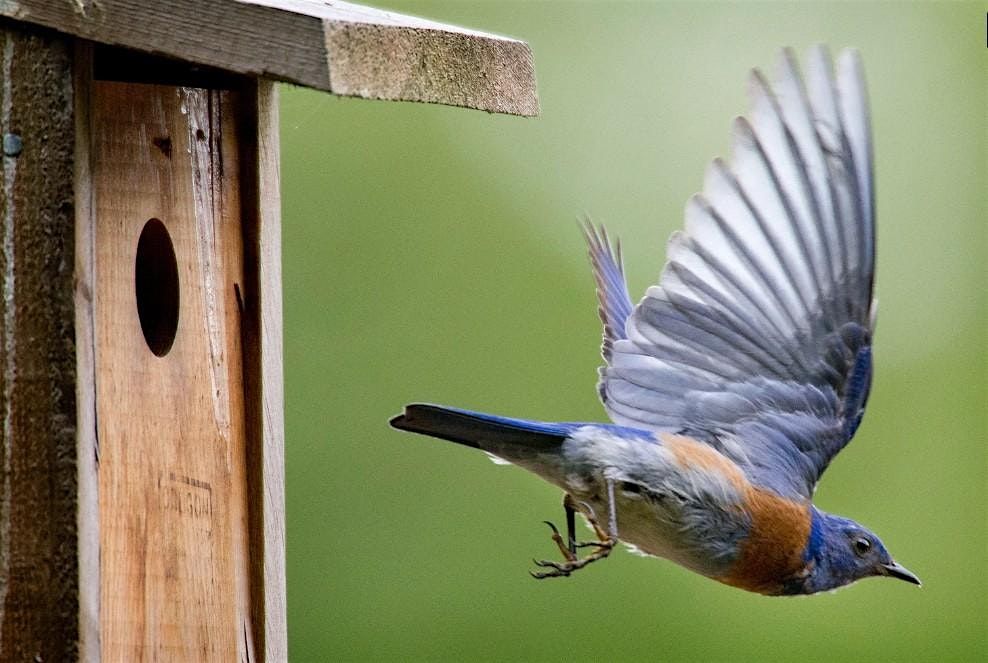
(39, 576)
(271, 371)
(263, 359)
(38, 569)
(85, 334)
(175, 581)
(126, 531)
(329, 45)
(262, 339)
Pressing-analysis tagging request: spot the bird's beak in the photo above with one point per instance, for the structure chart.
(894, 570)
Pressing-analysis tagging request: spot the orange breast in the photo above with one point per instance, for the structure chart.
(772, 553)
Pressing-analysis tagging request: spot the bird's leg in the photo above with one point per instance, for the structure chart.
(570, 508)
(608, 538)
(603, 546)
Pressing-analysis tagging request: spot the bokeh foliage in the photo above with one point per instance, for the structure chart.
(432, 253)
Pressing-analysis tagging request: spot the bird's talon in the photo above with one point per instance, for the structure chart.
(548, 574)
(549, 564)
(557, 570)
(572, 562)
(558, 540)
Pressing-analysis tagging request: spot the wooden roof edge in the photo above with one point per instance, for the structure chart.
(329, 45)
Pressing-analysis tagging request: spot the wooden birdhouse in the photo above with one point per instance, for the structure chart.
(142, 493)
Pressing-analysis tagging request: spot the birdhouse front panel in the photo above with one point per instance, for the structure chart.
(170, 395)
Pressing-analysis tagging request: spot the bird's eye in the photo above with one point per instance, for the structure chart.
(862, 545)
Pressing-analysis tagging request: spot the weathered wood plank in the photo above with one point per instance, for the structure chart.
(261, 196)
(329, 45)
(39, 580)
(175, 570)
(272, 373)
(85, 286)
(271, 398)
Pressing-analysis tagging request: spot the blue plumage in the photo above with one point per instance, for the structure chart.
(741, 374)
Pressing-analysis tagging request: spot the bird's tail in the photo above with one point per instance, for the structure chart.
(498, 435)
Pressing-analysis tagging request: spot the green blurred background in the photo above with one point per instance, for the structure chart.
(432, 253)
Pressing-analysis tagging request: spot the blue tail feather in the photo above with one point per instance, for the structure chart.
(479, 430)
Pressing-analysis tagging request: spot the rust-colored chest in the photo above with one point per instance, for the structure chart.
(772, 554)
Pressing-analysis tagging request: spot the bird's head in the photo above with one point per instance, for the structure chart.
(840, 551)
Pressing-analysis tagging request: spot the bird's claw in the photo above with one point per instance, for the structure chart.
(558, 570)
(565, 569)
(558, 539)
(572, 561)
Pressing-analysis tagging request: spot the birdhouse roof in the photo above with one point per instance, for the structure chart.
(338, 47)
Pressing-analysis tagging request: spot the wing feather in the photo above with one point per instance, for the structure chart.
(612, 291)
(757, 337)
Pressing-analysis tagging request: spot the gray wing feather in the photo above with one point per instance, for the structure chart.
(614, 303)
(756, 338)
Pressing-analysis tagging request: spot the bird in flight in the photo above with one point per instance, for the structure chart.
(738, 377)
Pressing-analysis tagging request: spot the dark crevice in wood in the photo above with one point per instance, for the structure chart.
(112, 63)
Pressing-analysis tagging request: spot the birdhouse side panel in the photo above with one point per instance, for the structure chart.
(39, 581)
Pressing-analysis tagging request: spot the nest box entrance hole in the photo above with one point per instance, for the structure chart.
(156, 287)
(170, 151)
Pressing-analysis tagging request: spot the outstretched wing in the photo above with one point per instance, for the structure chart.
(757, 337)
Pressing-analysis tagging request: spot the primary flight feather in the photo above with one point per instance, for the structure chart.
(742, 373)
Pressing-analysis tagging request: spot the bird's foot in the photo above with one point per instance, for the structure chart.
(572, 562)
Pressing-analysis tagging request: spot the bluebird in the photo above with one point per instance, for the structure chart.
(738, 377)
